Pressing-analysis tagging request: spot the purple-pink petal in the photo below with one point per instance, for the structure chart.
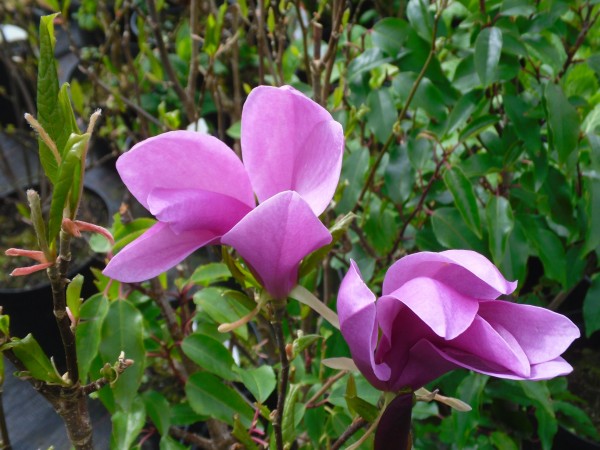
(543, 334)
(274, 237)
(154, 252)
(447, 312)
(184, 160)
(358, 322)
(196, 209)
(289, 142)
(466, 271)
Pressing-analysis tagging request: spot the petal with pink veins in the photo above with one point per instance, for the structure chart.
(289, 142)
(154, 252)
(184, 160)
(274, 237)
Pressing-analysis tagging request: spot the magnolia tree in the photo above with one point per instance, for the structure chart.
(270, 337)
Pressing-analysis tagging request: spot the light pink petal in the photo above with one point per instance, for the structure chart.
(543, 334)
(465, 271)
(154, 252)
(447, 312)
(289, 142)
(184, 160)
(274, 237)
(196, 209)
(358, 323)
(484, 346)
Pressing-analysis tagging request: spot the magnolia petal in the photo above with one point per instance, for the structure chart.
(184, 160)
(484, 344)
(154, 252)
(289, 142)
(274, 237)
(447, 312)
(465, 271)
(543, 334)
(358, 322)
(196, 209)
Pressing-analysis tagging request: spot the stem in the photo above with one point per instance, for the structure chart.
(278, 311)
(350, 431)
(5, 439)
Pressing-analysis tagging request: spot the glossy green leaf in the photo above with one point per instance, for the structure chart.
(500, 222)
(210, 396)
(488, 48)
(527, 128)
(88, 332)
(69, 123)
(126, 425)
(303, 342)
(464, 198)
(470, 391)
(360, 406)
(452, 232)
(462, 110)
(123, 331)
(576, 419)
(389, 35)
(517, 8)
(292, 413)
(210, 354)
(382, 114)
(157, 408)
(563, 122)
(260, 381)
(48, 114)
(592, 228)
(366, 61)
(591, 307)
(72, 163)
(225, 306)
(419, 16)
(210, 273)
(36, 362)
(427, 96)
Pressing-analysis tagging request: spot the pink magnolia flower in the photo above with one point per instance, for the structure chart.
(439, 312)
(202, 194)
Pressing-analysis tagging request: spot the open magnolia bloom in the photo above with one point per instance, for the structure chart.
(202, 194)
(439, 312)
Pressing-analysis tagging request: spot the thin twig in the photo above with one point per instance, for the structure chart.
(278, 311)
(311, 402)
(350, 431)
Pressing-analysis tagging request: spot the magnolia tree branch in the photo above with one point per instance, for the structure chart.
(350, 431)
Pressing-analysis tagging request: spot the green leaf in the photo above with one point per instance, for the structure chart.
(450, 230)
(35, 360)
(127, 425)
(592, 212)
(527, 128)
(261, 382)
(123, 331)
(210, 354)
(591, 307)
(419, 16)
(293, 412)
(488, 48)
(69, 123)
(477, 126)
(72, 163)
(563, 122)
(74, 295)
(469, 391)
(157, 408)
(209, 396)
(576, 419)
(210, 273)
(389, 34)
(169, 443)
(464, 198)
(47, 98)
(88, 332)
(382, 114)
(502, 441)
(366, 61)
(517, 8)
(303, 342)
(463, 109)
(361, 407)
(548, 247)
(225, 306)
(500, 222)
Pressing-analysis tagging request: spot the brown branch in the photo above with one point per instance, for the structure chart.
(350, 431)
(588, 23)
(311, 402)
(191, 438)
